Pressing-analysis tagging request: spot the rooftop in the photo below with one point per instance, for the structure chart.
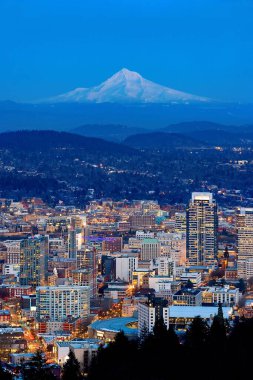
(115, 325)
(194, 311)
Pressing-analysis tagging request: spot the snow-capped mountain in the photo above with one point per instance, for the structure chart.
(127, 86)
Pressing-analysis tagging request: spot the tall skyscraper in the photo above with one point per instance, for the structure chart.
(34, 261)
(201, 229)
(72, 243)
(76, 235)
(244, 225)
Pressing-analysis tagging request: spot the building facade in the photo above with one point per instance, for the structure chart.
(57, 303)
(34, 261)
(201, 230)
(150, 249)
(244, 225)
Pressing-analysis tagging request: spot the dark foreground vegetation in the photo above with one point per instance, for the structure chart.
(204, 353)
(218, 352)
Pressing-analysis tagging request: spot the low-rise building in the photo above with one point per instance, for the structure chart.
(181, 316)
(187, 297)
(218, 294)
(149, 312)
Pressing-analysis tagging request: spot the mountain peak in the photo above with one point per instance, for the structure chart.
(127, 86)
(128, 73)
(124, 75)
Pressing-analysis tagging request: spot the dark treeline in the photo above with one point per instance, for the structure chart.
(205, 353)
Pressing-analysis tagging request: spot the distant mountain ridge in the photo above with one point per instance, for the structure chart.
(193, 134)
(163, 141)
(127, 87)
(111, 132)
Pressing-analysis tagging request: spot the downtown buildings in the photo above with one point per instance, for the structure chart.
(123, 267)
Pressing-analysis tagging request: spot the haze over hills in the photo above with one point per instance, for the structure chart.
(127, 87)
(193, 135)
(111, 132)
(66, 116)
(125, 99)
(163, 141)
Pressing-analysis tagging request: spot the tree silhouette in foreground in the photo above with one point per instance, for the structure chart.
(204, 352)
(71, 369)
(37, 369)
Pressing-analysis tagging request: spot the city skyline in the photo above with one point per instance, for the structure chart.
(126, 192)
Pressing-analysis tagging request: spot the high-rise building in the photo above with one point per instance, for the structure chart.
(76, 235)
(108, 267)
(180, 222)
(34, 261)
(84, 277)
(150, 249)
(244, 225)
(88, 259)
(72, 246)
(57, 303)
(201, 229)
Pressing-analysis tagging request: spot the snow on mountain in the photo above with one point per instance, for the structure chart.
(127, 86)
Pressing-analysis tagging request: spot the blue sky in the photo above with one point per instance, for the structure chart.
(200, 46)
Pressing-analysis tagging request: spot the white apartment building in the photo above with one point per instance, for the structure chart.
(125, 265)
(194, 277)
(147, 315)
(165, 266)
(56, 303)
(79, 346)
(160, 283)
(223, 295)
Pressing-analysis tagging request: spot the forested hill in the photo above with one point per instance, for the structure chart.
(48, 140)
(162, 140)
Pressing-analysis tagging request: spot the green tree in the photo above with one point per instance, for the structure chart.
(71, 369)
(218, 335)
(144, 333)
(197, 334)
(36, 369)
(118, 360)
